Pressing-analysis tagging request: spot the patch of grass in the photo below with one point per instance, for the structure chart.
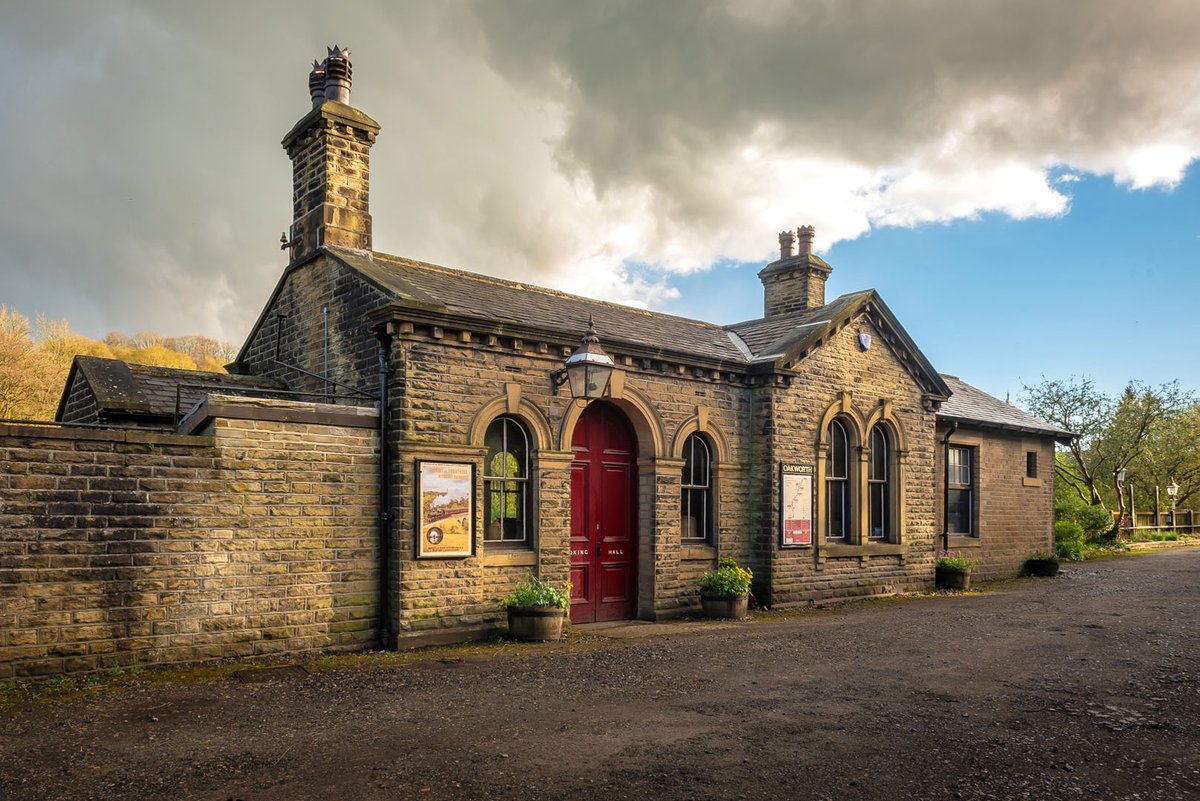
(1154, 536)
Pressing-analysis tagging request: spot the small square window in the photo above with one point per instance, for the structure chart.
(1031, 464)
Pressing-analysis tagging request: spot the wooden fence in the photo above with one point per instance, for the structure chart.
(1181, 520)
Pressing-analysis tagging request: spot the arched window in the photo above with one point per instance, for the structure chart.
(506, 482)
(837, 484)
(879, 487)
(697, 500)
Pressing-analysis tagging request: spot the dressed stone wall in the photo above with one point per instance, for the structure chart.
(1015, 513)
(294, 324)
(451, 383)
(122, 547)
(825, 572)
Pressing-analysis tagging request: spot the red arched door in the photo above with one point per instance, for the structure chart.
(603, 516)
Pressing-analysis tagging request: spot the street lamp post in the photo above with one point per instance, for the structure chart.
(1172, 492)
(1120, 476)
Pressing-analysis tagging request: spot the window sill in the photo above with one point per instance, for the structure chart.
(509, 556)
(963, 541)
(1031, 482)
(697, 552)
(871, 549)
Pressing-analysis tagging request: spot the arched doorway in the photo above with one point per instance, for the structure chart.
(603, 516)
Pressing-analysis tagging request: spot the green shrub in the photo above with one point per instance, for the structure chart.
(1095, 520)
(727, 579)
(532, 591)
(1068, 531)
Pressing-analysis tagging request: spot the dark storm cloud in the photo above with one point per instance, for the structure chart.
(652, 90)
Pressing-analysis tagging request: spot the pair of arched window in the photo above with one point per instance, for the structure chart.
(842, 502)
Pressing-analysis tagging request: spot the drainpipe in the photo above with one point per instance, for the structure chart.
(385, 494)
(325, 349)
(946, 487)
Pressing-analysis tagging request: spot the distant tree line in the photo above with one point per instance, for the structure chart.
(1152, 433)
(35, 359)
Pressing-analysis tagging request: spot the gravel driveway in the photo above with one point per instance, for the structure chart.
(1083, 686)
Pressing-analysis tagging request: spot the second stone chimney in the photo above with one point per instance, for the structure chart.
(330, 151)
(796, 282)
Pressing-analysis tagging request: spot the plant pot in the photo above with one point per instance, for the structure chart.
(1041, 567)
(536, 623)
(725, 606)
(952, 578)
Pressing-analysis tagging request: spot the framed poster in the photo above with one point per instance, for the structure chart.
(445, 513)
(796, 505)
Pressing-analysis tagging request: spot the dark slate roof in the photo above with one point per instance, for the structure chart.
(441, 290)
(509, 302)
(971, 405)
(140, 390)
(772, 336)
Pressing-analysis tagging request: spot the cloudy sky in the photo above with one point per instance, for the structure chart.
(1016, 178)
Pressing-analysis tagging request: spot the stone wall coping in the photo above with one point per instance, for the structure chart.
(88, 434)
(238, 407)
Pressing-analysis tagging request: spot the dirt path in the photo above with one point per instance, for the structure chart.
(1084, 686)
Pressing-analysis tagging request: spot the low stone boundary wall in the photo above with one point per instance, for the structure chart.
(121, 547)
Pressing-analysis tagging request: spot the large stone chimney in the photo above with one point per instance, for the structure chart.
(797, 280)
(329, 148)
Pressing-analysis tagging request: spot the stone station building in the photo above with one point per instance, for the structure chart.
(211, 515)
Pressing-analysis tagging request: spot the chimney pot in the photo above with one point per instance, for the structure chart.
(338, 75)
(787, 244)
(805, 234)
(316, 83)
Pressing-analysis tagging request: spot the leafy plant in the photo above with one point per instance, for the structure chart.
(1043, 556)
(1070, 551)
(728, 579)
(533, 591)
(1068, 531)
(1096, 521)
(954, 560)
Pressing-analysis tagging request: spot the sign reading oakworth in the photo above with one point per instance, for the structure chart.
(796, 502)
(445, 491)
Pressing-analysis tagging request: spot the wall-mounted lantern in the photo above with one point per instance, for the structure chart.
(588, 369)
